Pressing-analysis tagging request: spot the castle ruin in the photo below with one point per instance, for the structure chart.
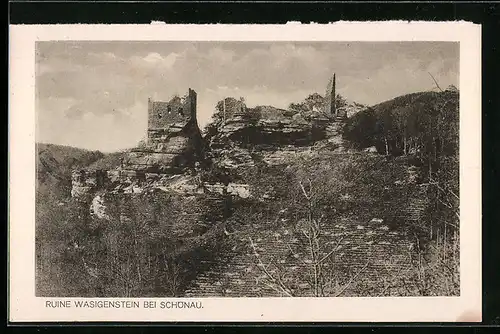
(174, 140)
(163, 116)
(174, 143)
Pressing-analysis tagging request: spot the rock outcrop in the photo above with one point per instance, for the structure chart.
(174, 147)
(351, 108)
(266, 125)
(85, 182)
(175, 152)
(272, 136)
(195, 181)
(98, 208)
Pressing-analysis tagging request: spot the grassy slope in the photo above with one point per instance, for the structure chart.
(349, 190)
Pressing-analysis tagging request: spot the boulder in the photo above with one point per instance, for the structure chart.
(98, 208)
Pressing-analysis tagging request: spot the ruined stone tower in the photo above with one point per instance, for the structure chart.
(174, 140)
(330, 98)
(165, 115)
(174, 145)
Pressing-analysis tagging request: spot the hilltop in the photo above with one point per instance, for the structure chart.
(55, 164)
(413, 123)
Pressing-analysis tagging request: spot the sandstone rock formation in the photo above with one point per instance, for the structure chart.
(266, 125)
(84, 182)
(271, 135)
(244, 136)
(169, 161)
(175, 160)
(98, 208)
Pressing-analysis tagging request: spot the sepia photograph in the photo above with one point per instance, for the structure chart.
(184, 173)
(247, 169)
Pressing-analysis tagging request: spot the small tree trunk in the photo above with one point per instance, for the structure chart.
(149, 261)
(430, 167)
(438, 230)
(444, 243)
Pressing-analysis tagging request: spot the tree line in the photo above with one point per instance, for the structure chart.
(423, 124)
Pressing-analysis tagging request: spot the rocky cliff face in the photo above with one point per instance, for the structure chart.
(85, 182)
(351, 108)
(266, 125)
(174, 156)
(244, 136)
(271, 135)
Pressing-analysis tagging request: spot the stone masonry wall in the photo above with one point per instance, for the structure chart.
(163, 114)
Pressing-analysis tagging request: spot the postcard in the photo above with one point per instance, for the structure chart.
(245, 173)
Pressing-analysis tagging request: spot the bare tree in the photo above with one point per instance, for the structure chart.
(321, 275)
(437, 85)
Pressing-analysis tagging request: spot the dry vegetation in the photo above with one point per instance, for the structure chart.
(157, 244)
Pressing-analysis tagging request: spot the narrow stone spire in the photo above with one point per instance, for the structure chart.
(330, 98)
(333, 97)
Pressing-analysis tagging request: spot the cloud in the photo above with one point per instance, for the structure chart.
(155, 60)
(78, 83)
(220, 55)
(74, 112)
(75, 127)
(103, 56)
(153, 57)
(43, 69)
(404, 75)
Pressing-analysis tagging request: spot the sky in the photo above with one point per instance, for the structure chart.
(94, 95)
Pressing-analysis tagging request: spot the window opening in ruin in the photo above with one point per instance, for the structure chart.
(169, 109)
(159, 115)
(181, 111)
